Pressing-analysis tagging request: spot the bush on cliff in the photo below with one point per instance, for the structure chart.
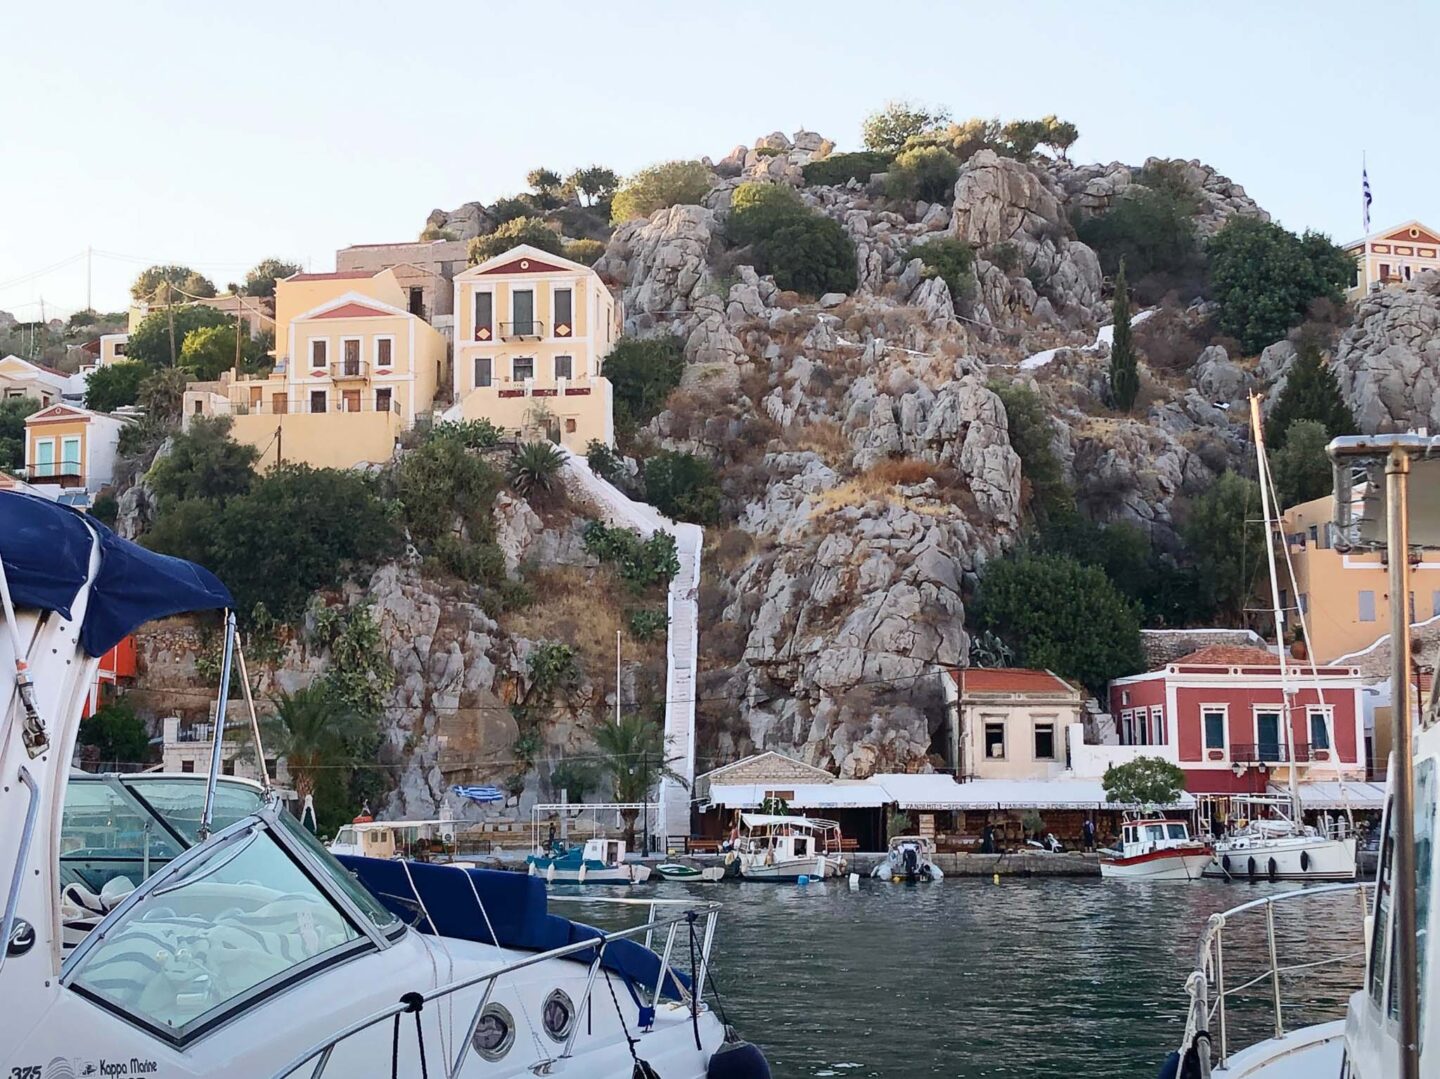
(683, 486)
(926, 172)
(519, 230)
(642, 372)
(672, 183)
(842, 168)
(805, 251)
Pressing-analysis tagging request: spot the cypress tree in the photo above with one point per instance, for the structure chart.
(1124, 378)
(1311, 393)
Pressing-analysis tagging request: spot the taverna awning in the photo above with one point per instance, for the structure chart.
(838, 795)
(1038, 794)
(1330, 794)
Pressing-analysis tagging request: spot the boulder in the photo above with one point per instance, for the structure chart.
(661, 264)
(1388, 361)
(1218, 378)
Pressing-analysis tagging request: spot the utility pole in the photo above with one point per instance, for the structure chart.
(170, 314)
(617, 678)
(645, 795)
(238, 303)
(88, 260)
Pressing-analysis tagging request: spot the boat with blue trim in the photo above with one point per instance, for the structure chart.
(599, 861)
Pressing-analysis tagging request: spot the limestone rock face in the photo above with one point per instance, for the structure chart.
(1388, 362)
(661, 264)
(1093, 189)
(466, 222)
(1218, 378)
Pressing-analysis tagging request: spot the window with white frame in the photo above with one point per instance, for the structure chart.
(350, 353)
(384, 351)
(564, 366)
(564, 313)
(1212, 720)
(995, 739)
(319, 352)
(484, 370)
(522, 368)
(484, 316)
(1045, 741)
(1159, 735)
(1321, 720)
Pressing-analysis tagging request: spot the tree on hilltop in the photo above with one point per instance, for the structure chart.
(260, 281)
(888, 129)
(154, 285)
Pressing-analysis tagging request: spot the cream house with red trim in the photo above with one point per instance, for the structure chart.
(70, 452)
(43, 385)
(532, 331)
(1393, 256)
(354, 369)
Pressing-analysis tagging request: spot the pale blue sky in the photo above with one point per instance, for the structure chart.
(217, 135)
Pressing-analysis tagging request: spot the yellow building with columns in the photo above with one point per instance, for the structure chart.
(1392, 257)
(353, 370)
(532, 331)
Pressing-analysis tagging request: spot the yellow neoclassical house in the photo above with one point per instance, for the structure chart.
(1393, 256)
(70, 452)
(532, 330)
(353, 370)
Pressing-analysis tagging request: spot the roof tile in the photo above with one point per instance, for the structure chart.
(1010, 680)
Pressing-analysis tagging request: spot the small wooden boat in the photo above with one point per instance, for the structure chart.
(600, 861)
(1156, 849)
(680, 871)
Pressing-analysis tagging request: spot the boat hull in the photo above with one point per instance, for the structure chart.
(1171, 864)
(619, 874)
(792, 869)
(1285, 858)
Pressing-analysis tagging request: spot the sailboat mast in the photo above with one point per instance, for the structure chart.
(1258, 429)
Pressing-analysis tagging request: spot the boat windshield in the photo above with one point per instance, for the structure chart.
(124, 829)
(212, 935)
(371, 907)
(1177, 831)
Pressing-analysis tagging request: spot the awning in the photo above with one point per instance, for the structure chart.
(1031, 794)
(1332, 795)
(838, 795)
(929, 790)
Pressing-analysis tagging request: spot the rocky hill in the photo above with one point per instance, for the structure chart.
(865, 457)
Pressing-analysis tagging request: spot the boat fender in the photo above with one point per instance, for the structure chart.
(1250, 868)
(1304, 861)
(802, 880)
(1225, 862)
(1273, 870)
(737, 1060)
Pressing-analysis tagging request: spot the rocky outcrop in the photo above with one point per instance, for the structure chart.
(661, 264)
(1218, 378)
(1093, 189)
(1388, 362)
(1001, 201)
(465, 222)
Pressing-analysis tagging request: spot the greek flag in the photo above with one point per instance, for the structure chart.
(1365, 187)
(479, 795)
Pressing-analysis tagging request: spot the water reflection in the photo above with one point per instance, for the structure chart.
(1025, 978)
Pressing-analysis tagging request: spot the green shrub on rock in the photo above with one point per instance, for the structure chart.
(672, 183)
(925, 172)
(842, 168)
(950, 259)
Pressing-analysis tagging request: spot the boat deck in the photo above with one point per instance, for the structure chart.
(1309, 1053)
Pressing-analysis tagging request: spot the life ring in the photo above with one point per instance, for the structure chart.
(1250, 868)
(1304, 861)
(1273, 870)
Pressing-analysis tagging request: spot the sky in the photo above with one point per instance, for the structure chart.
(216, 136)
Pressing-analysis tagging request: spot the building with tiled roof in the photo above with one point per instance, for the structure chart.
(425, 269)
(1009, 722)
(1393, 256)
(1220, 713)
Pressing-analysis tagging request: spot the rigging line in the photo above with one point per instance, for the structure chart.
(23, 278)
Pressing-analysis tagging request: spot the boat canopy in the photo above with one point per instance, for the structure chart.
(766, 820)
(46, 548)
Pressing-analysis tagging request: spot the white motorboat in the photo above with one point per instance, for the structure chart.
(909, 858)
(781, 848)
(1391, 1025)
(1155, 849)
(599, 861)
(254, 952)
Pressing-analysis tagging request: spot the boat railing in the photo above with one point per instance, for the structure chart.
(698, 920)
(1206, 984)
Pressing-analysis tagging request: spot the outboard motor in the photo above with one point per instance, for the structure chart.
(910, 859)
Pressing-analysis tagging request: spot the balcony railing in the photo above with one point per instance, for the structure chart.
(522, 330)
(1271, 753)
(196, 732)
(54, 471)
(343, 369)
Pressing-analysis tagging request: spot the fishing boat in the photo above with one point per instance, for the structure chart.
(909, 858)
(1391, 1024)
(598, 861)
(1155, 849)
(780, 848)
(249, 949)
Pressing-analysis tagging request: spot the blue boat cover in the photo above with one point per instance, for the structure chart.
(46, 547)
(515, 903)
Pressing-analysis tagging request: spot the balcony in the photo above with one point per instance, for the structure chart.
(350, 370)
(63, 473)
(522, 330)
(1271, 753)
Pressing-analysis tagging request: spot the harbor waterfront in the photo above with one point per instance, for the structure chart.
(968, 979)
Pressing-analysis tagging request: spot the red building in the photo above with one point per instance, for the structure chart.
(1218, 714)
(115, 664)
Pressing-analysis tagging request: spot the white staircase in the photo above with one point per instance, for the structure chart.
(682, 647)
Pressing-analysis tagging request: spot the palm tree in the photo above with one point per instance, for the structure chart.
(313, 732)
(632, 753)
(534, 467)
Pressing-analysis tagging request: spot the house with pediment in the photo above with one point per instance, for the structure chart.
(1393, 256)
(354, 368)
(532, 331)
(70, 452)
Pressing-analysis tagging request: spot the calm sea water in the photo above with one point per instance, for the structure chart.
(1029, 977)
